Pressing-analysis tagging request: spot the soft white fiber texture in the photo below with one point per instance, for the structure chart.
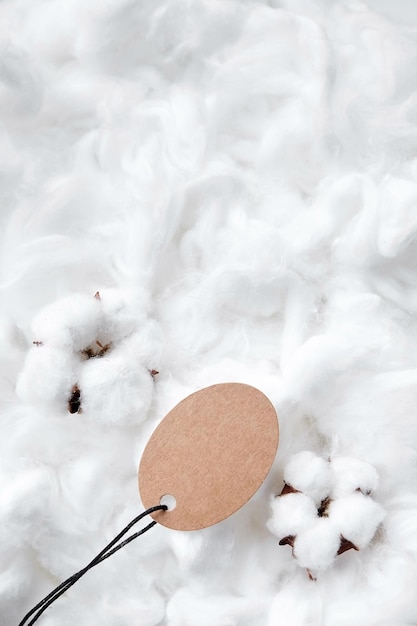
(352, 475)
(291, 514)
(317, 523)
(316, 548)
(310, 474)
(238, 181)
(356, 517)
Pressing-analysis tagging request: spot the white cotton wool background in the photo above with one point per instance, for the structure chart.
(238, 181)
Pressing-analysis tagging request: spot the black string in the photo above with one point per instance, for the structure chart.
(109, 550)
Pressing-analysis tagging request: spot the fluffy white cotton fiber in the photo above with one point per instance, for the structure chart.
(316, 547)
(119, 314)
(115, 389)
(291, 514)
(25, 498)
(68, 324)
(310, 474)
(353, 475)
(332, 512)
(356, 517)
(48, 375)
(97, 346)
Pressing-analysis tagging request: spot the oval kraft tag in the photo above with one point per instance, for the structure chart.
(211, 452)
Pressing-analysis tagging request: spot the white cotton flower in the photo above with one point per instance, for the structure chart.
(48, 374)
(351, 474)
(291, 514)
(357, 517)
(316, 547)
(69, 323)
(114, 390)
(26, 497)
(113, 379)
(310, 474)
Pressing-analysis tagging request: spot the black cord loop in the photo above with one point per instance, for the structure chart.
(109, 550)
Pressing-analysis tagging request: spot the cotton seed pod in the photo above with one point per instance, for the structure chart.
(71, 322)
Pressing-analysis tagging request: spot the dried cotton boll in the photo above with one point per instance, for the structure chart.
(115, 390)
(24, 501)
(48, 374)
(310, 474)
(352, 474)
(316, 547)
(400, 527)
(397, 228)
(291, 514)
(357, 517)
(71, 322)
(80, 480)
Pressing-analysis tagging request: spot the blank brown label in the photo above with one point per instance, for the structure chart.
(211, 453)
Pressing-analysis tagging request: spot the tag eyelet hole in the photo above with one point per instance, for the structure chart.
(168, 501)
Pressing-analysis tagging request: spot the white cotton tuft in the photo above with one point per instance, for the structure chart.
(144, 345)
(25, 498)
(351, 475)
(291, 514)
(71, 322)
(115, 390)
(316, 547)
(119, 319)
(243, 176)
(310, 474)
(48, 374)
(357, 517)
